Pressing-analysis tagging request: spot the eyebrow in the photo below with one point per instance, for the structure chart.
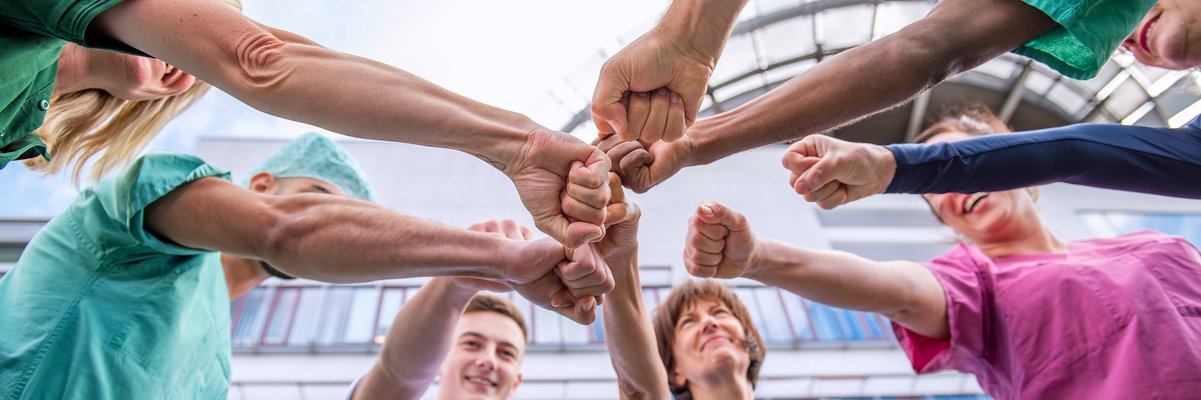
(482, 337)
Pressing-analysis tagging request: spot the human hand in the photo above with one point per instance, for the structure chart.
(832, 172)
(658, 60)
(561, 181)
(642, 168)
(568, 282)
(621, 236)
(508, 229)
(719, 243)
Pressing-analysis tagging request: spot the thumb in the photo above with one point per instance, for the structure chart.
(717, 213)
(608, 112)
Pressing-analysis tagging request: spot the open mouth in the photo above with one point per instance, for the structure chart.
(1146, 32)
(970, 203)
(712, 340)
(480, 381)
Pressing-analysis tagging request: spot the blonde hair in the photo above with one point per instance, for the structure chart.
(80, 125)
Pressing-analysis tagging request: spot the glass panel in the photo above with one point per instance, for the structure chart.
(598, 327)
(393, 299)
(546, 327)
(527, 311)
(1126, 98)
(846, 26)
(775, 320)
(650, 297)
(825, 322)
(334, 315)
(739, 57)
(304, 325)
(363, 308)
(249, 323)
(1066, 98)
(283, 308)
(787, 39)
(892, 16)
(574, 333)
(797, 315)
(747, 296)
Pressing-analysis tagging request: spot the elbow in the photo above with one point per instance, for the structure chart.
(260, 63)
(286, 228)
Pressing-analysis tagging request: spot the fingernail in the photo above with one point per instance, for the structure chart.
(675, 98)
(595, 237)
(708, 211)
(642, 94)
(558, 302)
(589, 305)
(661, 91)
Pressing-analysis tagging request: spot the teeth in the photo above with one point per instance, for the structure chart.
(480, 381)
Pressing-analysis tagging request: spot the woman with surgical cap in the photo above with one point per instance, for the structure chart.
(275, 71)
(125, 295)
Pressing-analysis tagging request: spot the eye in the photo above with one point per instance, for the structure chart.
(471, 344)
(508, 355)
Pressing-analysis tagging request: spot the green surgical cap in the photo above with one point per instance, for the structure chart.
(315, 156)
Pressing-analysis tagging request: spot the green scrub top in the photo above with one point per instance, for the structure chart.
(1089, 32)
(99, 308)
(32, 35)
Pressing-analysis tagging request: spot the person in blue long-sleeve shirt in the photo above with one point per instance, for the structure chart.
(1162, 161)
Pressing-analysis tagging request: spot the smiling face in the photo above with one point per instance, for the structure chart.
(984, 217)
(483, 363)
(710, 343)
(1169, 36)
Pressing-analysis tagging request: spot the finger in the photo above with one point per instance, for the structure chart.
(821, 193)
(582, 312)
(592, 197)
(675, 119)
(575, 271)
(593, 172)
(636, 114)
(706, 244)
(838, 198)
(608, 113)
(633, 162)
(704, 259)
(794, 176)
(794, 161)
(577, 234)
(717, 213)
(699, 271)
(616, 194)
(820, 174)
(712, 231)
(608, 143)
(656, 120)
(526, 233)
(510, 229)
(618, 153)
(578, 211)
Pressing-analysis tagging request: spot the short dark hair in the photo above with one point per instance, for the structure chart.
(973, 119)
(484, 302)
(691, 291)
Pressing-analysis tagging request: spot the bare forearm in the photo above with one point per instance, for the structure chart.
(703, 24)
(630, 339)
(417, 342)
(342, 241)
(859, 82)
(905, 291)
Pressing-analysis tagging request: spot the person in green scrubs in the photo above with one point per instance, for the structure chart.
(123, 295)
(287, 75)
(652, 89)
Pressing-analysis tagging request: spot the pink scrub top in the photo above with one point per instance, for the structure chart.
(1112, 318)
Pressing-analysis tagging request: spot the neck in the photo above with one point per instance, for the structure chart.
(1037, 240)
(72, 73)
(241, 274)
(724, 388)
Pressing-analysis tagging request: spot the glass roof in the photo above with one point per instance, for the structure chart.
(776, 40)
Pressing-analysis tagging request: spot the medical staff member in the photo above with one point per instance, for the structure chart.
(122, 295)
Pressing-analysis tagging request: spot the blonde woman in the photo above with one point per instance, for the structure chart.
(285, 75)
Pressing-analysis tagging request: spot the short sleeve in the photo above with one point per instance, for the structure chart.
(125, 197)
(968, 291)
(1089, 32)
(63, 19)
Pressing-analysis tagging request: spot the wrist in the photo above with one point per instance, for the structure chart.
(699, 27)
(505, 142)
(456, 291)
(764, 261)
(886, 167)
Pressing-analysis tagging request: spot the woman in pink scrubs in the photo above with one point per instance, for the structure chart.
(1032, 316)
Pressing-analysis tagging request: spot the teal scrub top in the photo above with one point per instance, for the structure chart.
(99, 308)
(1089, 32)
(32, 35)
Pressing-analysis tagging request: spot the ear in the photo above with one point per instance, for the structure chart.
(516, 384)
(678, 378)
(263, 182)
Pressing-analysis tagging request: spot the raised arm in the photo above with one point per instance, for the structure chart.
(956, 36)
(286, 75)
(676, 57)
(720, 244)
(417, 342)
(629, 336)
(833, 172)
(336, 239)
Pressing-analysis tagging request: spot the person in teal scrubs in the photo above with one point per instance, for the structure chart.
(123, 295)
(287, 75)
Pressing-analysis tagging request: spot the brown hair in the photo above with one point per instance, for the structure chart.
(973, 119)
(484, 302)
(669, 311)
(80, 125)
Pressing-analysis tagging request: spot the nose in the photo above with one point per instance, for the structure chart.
(709, 324)
(486, 362)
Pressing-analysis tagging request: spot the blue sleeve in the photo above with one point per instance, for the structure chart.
(1139, 159)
